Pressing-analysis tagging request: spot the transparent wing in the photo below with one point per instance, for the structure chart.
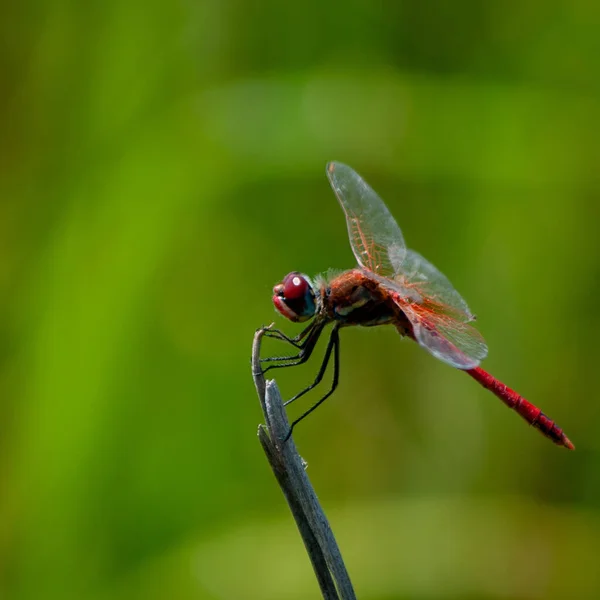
(375, 237)
(439, 315)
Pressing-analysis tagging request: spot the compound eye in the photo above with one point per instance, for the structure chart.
(295, 298)
(295, 286)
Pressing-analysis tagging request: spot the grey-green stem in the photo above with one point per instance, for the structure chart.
(289, 470)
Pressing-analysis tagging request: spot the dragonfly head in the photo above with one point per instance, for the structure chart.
(294, 297)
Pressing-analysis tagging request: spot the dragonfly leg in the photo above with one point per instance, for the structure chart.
(277, 334)
(332, 345)
(306, 348)
(298, 341)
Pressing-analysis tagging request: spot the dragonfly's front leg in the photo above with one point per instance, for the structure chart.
(311, 336)
(296, 341)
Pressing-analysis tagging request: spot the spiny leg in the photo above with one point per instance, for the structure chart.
(306, 349)
(333, 344)
(277, 334)
(300, 341)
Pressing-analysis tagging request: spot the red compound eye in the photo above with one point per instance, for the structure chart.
(295, 298)
(295, 286)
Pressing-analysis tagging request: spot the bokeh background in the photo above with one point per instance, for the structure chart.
(163, 165)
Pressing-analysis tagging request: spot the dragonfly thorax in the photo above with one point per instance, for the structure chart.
(295, 297)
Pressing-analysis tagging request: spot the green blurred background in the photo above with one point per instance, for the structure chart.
(162, 166)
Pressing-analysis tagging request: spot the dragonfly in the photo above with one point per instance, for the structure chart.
(391, 285)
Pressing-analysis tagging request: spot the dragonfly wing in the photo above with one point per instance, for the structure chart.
(439, 315)
(420, 278)
(375, 237)
(458, 344)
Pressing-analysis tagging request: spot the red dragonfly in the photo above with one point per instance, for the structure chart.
(391, 285)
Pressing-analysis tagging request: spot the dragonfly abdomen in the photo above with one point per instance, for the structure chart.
(528, 411)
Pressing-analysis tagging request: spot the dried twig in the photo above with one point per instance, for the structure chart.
(289, 469)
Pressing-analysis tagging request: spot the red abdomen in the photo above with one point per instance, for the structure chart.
(532, 414)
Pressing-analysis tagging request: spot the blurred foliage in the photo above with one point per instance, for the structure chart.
(162, 166)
